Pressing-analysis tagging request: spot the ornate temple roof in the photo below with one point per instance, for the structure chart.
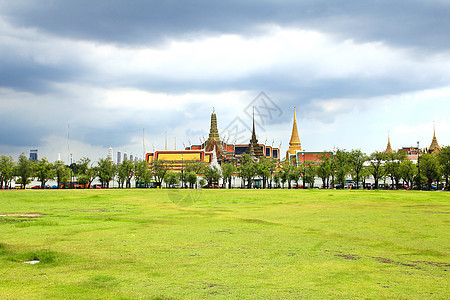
(434, 147)
(213, 133)
(388, 147)
(253, 148)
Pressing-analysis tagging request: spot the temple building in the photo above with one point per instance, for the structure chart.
(295, 154)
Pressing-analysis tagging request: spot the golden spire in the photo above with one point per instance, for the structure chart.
(434, 147)
(294, 144)
(389, 148)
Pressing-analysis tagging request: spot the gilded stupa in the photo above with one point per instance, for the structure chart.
(389, 148)
(434, 147)
(294, 144)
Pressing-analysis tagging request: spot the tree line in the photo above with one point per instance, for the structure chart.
(333, 171)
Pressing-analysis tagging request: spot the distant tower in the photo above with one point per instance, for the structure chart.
(119, 157)
(33, 155)
(110, 154)
(294, 144)
(59, 156)
(131, 157)
(388, 147)
(125, 156)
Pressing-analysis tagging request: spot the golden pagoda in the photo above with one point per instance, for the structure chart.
(294, 144)
(434, 147)
(389, 148)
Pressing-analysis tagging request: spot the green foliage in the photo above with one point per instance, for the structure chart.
(125, 172)
(62, 173)
(356, 160)
(228, 170)
(212, 175)
(24, 170)
(159, 169)
(171, 178)
(247, 170)
(106, 171)
(6, 170)
(44, 171)
(429, 167)
(142, 172)
(377, 168)
(191, 178)
(444, 161)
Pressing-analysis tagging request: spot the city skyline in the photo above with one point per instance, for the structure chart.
(356, 72)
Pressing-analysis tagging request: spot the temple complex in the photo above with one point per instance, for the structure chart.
(214, 149)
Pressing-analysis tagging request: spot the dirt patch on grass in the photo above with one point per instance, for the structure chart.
(23, 215)
(433, 263)
(389, 261)
(348, 256)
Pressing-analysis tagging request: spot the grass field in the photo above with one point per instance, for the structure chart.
(266, 244)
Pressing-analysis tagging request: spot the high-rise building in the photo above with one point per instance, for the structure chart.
(119, 157)
(125, 156)
(131, 157)
(33, 155)
(110, 154)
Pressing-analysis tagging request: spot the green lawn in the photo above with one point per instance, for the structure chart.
(266, 244)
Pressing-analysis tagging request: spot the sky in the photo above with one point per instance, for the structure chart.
(82, 76)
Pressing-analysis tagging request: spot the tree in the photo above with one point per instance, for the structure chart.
(341, 160)
(191, 178)
(86, 173)
(324, 169)
(286, 173)
(393, 163)
(310, 174)
(247, 170)
(24, 170)
(125, 173)
(377, 169)
(171, 178)
(212, 175)
(444, 161)
(263, 169)
(429, 167)
(408, 172)
(6, 171)
(159, 170)
(356, 161)
(62, 173)
(142, 174)
(106, 171)
(228, 169)
(44, 171)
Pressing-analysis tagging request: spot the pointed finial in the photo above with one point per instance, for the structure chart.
(214, 111)
(434, 129)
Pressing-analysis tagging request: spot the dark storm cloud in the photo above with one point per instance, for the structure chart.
(404, 23)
